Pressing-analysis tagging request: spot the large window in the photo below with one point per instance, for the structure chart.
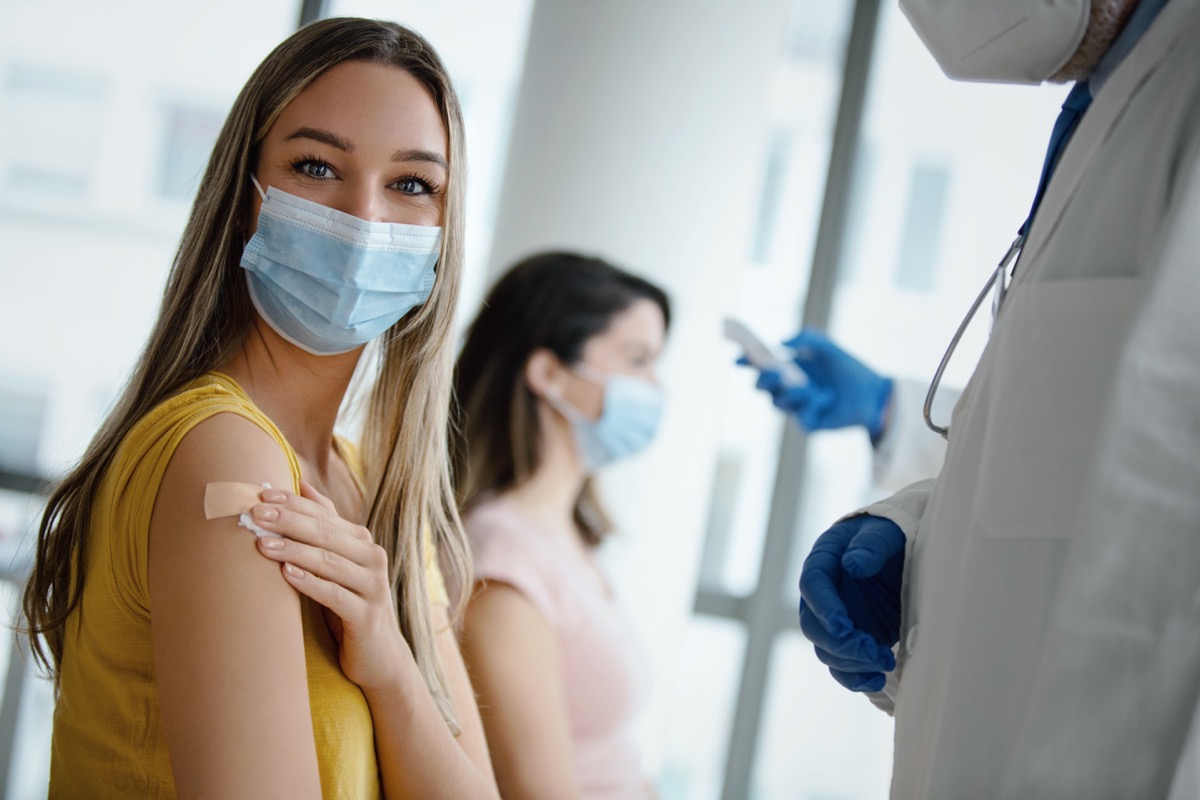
(107, 115)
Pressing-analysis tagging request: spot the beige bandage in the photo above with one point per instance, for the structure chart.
(233, 499)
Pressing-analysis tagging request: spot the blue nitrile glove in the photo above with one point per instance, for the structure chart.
(841, 390)
(850, 599)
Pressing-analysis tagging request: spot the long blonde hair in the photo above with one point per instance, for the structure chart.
(205, 316)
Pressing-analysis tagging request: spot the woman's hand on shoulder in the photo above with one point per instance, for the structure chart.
(338, 564)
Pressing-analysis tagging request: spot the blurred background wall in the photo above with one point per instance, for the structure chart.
(782, 161)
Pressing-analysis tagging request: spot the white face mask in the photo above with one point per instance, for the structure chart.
(628, 420)
(329, 282)
(1006, 41)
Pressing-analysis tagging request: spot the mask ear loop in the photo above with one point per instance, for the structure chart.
(568, 411)
(262, 195)
(559, 403)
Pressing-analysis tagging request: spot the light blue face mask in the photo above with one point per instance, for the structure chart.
(628, 421)
(329, 282)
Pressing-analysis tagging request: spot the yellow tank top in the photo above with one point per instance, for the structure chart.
(108, 740)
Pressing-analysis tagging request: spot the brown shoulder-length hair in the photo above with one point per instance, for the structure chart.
(556, 301)
(204, 319)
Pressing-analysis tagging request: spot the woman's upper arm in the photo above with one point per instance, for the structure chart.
(228, 643)
(514, 662)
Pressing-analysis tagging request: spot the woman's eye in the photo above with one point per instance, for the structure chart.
(315, 169)
(412, 186)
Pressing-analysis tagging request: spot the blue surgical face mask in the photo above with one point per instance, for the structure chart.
(329, 282)
(628, 421)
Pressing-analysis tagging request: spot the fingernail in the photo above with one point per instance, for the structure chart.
(273, 496)
(271, 543)
(266, 514)
(295, 572)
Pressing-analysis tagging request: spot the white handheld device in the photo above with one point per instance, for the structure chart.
(763, 357)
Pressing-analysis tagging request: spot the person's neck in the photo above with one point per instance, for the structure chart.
(1106, 21)
(550, 493)
(301, 393)
(1135, 26)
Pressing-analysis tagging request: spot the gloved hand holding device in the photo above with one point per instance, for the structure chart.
(840, 391)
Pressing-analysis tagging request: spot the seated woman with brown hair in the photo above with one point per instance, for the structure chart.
(555, 381)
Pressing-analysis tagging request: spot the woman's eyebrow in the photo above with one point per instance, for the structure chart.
(420, 155)
(345, 145)
(325, 137)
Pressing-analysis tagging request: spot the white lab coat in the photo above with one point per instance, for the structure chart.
(1050, 640)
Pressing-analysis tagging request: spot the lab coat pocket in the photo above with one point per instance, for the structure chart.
(1055, 350)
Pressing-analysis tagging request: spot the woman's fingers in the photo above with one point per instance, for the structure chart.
(305, 520)
(366, 578)
(332, 595)
(317, 542)
(333, 561)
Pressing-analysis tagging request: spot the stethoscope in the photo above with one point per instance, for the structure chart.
(1075, 104)
(997, 284)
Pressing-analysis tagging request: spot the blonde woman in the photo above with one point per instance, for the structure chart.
(214, 638)
(555, 381)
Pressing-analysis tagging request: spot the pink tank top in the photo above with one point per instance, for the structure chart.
(606, 673)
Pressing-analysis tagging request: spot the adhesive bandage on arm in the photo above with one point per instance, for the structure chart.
(233, 499)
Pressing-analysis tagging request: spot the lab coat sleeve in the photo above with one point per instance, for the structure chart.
(905, 508)
(909, 451)
(1118, 682)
